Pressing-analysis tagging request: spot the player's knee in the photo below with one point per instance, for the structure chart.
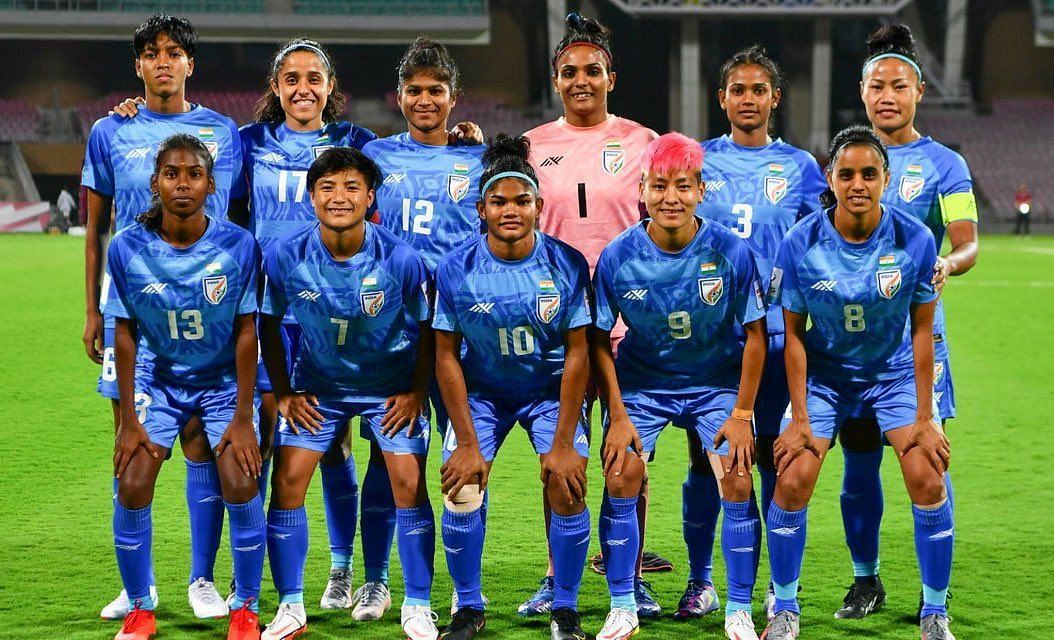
(925, 486)
(860, 435)
(467, 500)
(559, 501)
(736, 488)
(794, 488)
(628, 483)
(238, 488)
(763, 452)
(287, 491)
(135, 490)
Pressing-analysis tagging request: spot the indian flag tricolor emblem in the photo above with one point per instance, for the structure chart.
(206, 133)
(887, 261)
(707, 267)
(913, 170)
(775, 168)
(369, 281)
(460, 168)
(546, 285)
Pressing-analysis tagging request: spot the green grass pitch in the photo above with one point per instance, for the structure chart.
(58, 565)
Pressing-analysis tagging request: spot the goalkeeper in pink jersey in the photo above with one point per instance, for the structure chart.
(588, 166)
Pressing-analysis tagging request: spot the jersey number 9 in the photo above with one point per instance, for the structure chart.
(680, 325)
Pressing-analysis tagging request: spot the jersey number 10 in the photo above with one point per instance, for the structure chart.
(519, 341)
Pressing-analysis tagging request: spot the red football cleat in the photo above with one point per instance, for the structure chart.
(138, 625)
(245, 624)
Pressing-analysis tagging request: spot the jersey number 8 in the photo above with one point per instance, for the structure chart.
(854, 318)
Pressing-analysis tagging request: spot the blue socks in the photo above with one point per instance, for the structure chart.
(701, 505)
(862, 506)
(132, 536)
(248, 545)
(934, 538)
(378, 521)
(768, 488)
(739, 545)
(340, 495)
(287, 549)
(619, 542)
(417, 541)
(569, 542)
(463, 543)
(786, 538)
(205, 504)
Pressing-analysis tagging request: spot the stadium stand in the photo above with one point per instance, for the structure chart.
(19, 120)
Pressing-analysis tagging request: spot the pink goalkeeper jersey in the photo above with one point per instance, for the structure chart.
(589, 179)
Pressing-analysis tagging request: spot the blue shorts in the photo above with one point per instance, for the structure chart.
(494, 419)
(337, 413)
(439, 413)
(165, 408)
(893, 403)
(943, 388)
(703, 411)
(773, 395)
(291, 340)
(107, 385)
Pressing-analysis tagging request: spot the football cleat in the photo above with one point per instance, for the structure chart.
(371, 600)
(619, 625)
(419, 623)
(454, 606)
(784, 626)
(289, 622)
(565, 624)
(770, 602)
(918, 612)
(139, 624)
(206, 601)
(862, 599)
(935, 627)
(541, 602)
(647, 608)
(698, 600)
(244, 624)
(740, 626)
(338, 590)
(466, 624)
(119, 607)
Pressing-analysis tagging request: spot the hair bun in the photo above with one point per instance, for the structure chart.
(891, 38)
(504, 146)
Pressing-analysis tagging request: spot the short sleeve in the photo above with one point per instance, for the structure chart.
(240, 181)
(956, 197)
(415, 286)
(607, 300)
(750, 304)
(445, 316)
(250, 265)
(275, 302)
(784, 289)
(116, 295)
(97, 171)
(813, 184)
(925, 258)
(578, 311)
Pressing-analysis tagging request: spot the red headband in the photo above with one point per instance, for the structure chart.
(607, 54)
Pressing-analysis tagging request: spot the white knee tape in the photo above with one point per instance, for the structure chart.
(467, 500)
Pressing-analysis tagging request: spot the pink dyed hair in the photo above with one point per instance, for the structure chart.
(672, 152)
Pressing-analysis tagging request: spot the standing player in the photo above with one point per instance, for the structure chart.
(688, 290)
(118, 163)
(861, 272)
(588, 166)
(757, 187)
(426, 200)
(184, 283)
(518, 299)
(358, 295)
(933, 184)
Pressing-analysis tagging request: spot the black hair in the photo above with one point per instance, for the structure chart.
(506, 153)
(179, 30)
(856, 134)
(431, 57)
(754, 54)
(151, 218)
(892, 38)
(341, 159)
(269, 107)
(587, 31)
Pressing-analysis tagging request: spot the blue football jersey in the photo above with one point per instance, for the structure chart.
(681, 309)
(759, 193)
(119, 159)
(513, 315)
(184, 301)
(358, 318)
(858, 296)
(276, 163)
(429, 193)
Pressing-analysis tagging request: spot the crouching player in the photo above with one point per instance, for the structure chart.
(518, 299)
(683, 285)
(862, 273)
(359, 296)
(186, 284)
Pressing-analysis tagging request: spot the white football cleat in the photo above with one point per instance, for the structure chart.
(338, 590)
(289, 622)
(619, 625)
(371, 601)
(419, 623)
(206, 601)
(740, 626)
(120, 606)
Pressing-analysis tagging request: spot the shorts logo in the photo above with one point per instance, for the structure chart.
(889, 282)
(319, 150)
(214, 287)
(372, 302)
(758, 298)
(938, 372)
(614, 158)
(457, 186)
(775, 280)
(911, 187)
(775, 188)
(711, 289)
(548, 306)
